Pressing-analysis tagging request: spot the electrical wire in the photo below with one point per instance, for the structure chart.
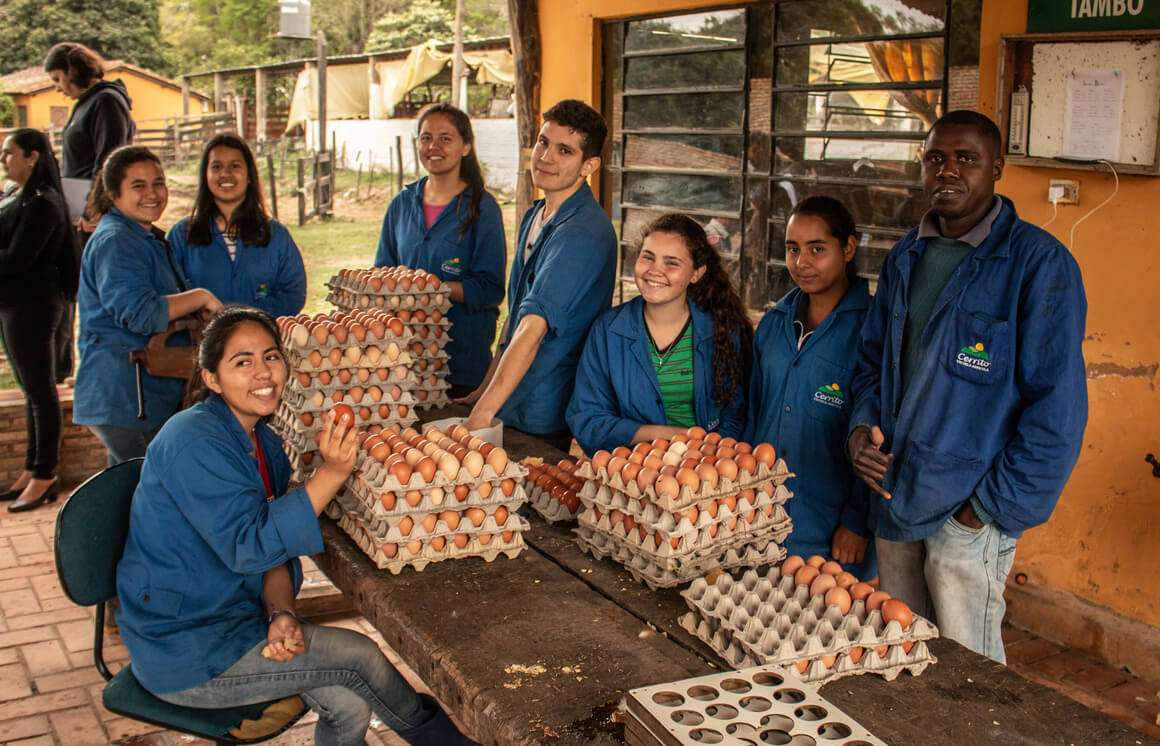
(1054, 213)
(1071, 237)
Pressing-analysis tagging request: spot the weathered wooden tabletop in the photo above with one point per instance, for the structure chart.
(542, 648)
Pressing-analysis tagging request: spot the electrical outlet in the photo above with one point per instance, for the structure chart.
(1063, 192)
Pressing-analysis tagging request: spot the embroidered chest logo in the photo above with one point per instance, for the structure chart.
(830, 395)
(974, 357)
(452, 266)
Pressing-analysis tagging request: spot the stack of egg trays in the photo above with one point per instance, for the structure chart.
(541, 500)
(762, 704)
(664, 566)
(349, 293)
(762, 619)
(360, 512)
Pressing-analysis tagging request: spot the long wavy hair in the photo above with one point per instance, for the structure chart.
(45, 173)
(214, 338)
(250, 222)
(715, 294)
(469, 169)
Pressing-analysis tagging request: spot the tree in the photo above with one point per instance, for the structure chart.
(422, 20)
(209, 34)
(117, 29)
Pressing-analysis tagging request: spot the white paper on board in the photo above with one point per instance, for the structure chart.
(1095, 104)
(76, 192)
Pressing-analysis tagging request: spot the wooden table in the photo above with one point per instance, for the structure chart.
(542, 648)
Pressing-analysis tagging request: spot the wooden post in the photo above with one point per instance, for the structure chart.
(219, 91)
(260, 103)
(399, 159)
(526, 51)
(321, 91)
(273, 177)
(301, 194)
(374, 88)
(415, 155)
(457, 58)
(185, 95)
(370, 174)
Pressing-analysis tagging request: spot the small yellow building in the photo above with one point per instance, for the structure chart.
(40, 105)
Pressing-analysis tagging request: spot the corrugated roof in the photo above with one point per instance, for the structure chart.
(32, 80)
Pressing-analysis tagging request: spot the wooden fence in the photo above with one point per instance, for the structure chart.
(178, 139)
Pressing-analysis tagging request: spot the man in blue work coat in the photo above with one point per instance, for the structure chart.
(970, 395)
(561, 280)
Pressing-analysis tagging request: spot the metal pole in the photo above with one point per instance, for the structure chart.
(273, 185)
(321, 90)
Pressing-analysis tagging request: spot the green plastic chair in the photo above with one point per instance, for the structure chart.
(91, 529)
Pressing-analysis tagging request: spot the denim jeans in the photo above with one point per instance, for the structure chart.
(955, 578)
(123, 443)
(343, 676)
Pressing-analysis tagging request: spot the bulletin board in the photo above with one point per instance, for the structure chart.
(1053, 69)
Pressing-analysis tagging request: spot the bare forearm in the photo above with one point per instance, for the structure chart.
(278, 589)
(647, 433)
(183, 304)
(456, 289)
(513, 365)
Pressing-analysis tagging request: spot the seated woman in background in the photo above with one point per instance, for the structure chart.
(447, 224)
(674, 357)
(230, 245)
(210, 570)
(804, 355)
(130, 289)
(38, 276)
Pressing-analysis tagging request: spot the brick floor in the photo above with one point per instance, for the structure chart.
(50, 692)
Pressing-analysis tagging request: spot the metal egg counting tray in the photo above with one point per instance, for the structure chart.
(763, 619)
(753, 706)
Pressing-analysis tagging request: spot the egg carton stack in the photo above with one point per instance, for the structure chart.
(417, 498)
(672, 511)
(810, 616)
(421, 302)
(554, 490)
(359, 359)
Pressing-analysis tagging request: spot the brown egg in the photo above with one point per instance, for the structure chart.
(615, 464)
(650, 462)
(335, 358)
(449, 465)
(320, 334)
(765, 454)
(451, 518)
(388, 500)
(894, 610)
(845, 579)
(500, 515)
(339, 331)
(475, 515)
(792, 564)
(405, 525)
(314, 358)
(389, 550)
(630, 470)
(647, 476)
(696, 433)
(307, 419)
(817, 561)
(822, 584)
(429, 521)
(621, 451)
(484, 489)
(413, 497)
(876, 600)
(484, 539)
(860, 591)
(727, 468)
(461, 492)
(668, 486)
(460, 540)
(746, 463)
(324, 376)
(426, 467)
(414, 547)
(689, 477)
(402, 472)
(832, 568)
(507, 487)
(304, 380)
(805, 575)
(855, 654)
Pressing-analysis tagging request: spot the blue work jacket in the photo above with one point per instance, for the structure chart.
(617, 391)
(201, 537)
(125, 276)
(567, 281)
(996, 407)
(799, 400)
(477, 260)
(269, 277)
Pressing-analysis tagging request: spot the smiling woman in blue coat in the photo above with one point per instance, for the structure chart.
(674, 357)
(229, 245)
(130, 289)
(804, 355)
(447, 224)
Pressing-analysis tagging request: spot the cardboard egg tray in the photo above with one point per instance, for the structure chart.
(431, 500)
(768, 619)
(378, 479)
(389, 528)
(486, 546)
(287, 421)
(645, 570)
(321, 399)
(778, 474)
(348, 299)
(759, 705)
(399, 374)
(377, 355)
(541, 498)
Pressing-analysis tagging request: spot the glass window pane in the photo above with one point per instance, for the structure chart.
(880, 205)
(692, 110)
(910, 111)
(681, 32)
(683, 70)
(819, 18)
(870, 160)
(903, 60)
(719, 152)
(683, 191)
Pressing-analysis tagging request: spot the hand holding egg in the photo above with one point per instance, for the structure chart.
(284, 638)
(338, 441)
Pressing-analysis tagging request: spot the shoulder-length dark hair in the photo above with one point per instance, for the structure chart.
(214, 338)
(839, 222)
(715, 294)
(250, 221)
(117, 165)
(81, 65)
(46, 173)
(469, 169)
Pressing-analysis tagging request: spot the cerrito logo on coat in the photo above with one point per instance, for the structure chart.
(974, 357)
(453, 266)
(830, 395)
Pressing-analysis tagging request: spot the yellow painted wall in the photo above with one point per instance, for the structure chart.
(151, 100)
(1101, 543)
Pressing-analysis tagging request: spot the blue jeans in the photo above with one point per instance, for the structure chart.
(955, 578)
(343, 676)
(123, 443)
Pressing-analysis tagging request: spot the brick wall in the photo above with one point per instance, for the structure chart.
(81, 454)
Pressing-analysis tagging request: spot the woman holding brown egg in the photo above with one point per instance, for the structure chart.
(213, 625)
(674, 357)
(38, 275)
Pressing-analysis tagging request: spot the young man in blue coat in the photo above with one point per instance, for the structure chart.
(970, 396)
(561, 280)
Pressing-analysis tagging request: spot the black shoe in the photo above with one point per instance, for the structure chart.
(49, 496)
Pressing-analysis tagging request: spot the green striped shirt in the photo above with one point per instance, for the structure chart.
(674, 369)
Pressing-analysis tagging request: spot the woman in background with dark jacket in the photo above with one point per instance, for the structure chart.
(37, 272)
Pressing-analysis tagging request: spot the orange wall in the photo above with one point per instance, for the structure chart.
(151, 100)
(1101, 542)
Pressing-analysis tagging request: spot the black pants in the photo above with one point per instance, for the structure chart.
(29, 331)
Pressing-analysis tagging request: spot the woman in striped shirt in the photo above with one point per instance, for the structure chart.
(676, 356)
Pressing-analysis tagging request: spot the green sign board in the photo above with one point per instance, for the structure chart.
(1054, 16)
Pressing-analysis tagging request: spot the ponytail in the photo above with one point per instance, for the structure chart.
(469, 168)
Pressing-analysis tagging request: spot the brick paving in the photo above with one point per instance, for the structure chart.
(50, 692)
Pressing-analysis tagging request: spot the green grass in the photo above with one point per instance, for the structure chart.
(328, 246)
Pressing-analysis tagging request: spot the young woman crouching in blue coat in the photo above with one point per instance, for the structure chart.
(799, 397)
(674, 357)
(210, 570)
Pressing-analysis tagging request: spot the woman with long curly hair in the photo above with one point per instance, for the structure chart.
(230, 245)
(676, 356)
(803, 361)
